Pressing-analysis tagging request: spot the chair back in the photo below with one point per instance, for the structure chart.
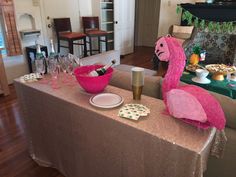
(62, 25)
(90, 23)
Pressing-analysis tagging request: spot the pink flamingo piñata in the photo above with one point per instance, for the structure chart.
(189, 103)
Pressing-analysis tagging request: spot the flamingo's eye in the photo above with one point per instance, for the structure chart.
(161, 45)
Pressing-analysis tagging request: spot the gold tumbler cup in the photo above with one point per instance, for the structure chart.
(137, 79)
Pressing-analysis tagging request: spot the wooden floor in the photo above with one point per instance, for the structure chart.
(14, 157)
(141, 57)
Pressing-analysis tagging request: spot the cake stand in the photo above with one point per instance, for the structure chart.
(218, 71)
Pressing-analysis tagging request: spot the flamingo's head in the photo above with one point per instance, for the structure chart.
(162, 50)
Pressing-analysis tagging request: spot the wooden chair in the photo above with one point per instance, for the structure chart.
(64, 33)
(92, 30)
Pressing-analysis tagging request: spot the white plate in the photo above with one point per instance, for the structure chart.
(201, 81)
(106, 100)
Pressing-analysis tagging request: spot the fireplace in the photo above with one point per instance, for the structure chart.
(225, 1)
(220, 12)
(220, 47)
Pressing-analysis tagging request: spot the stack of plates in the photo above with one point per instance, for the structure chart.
(106, 100)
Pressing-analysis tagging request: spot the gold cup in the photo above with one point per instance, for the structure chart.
(137, 80)
(137, 92)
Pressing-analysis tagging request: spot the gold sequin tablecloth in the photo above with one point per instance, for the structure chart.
(69, 134)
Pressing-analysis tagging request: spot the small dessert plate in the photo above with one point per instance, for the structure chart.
(106, 100)
(201, 81)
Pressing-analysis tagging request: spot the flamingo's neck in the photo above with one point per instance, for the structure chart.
(172, 77)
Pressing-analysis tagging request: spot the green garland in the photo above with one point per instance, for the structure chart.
(203, 24)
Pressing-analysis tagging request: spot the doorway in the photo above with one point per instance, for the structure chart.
(146, 22)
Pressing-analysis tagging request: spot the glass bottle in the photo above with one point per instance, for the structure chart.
(101, 71)
(39, 54)
(40, 66)
(52, 53)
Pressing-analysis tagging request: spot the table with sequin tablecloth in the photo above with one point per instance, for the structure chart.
(66, 132)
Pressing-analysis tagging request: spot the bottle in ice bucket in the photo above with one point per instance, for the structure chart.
(101, 71)
(39, 54)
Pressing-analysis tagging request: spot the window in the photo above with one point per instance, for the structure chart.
(10, 33)
(2, 38)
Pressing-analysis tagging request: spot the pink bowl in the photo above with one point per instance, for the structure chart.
(92, 84)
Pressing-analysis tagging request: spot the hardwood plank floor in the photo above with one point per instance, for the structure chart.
(141, 57)
(14, 156)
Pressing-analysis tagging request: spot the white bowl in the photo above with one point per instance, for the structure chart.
(201, 73)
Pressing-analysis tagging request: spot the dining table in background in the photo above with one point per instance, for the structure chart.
(66, 132)
(227, 88)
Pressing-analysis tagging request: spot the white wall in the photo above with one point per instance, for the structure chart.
(168, 15)
(15, 66)
(26, 7)
(85, 7)
(18, 65)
